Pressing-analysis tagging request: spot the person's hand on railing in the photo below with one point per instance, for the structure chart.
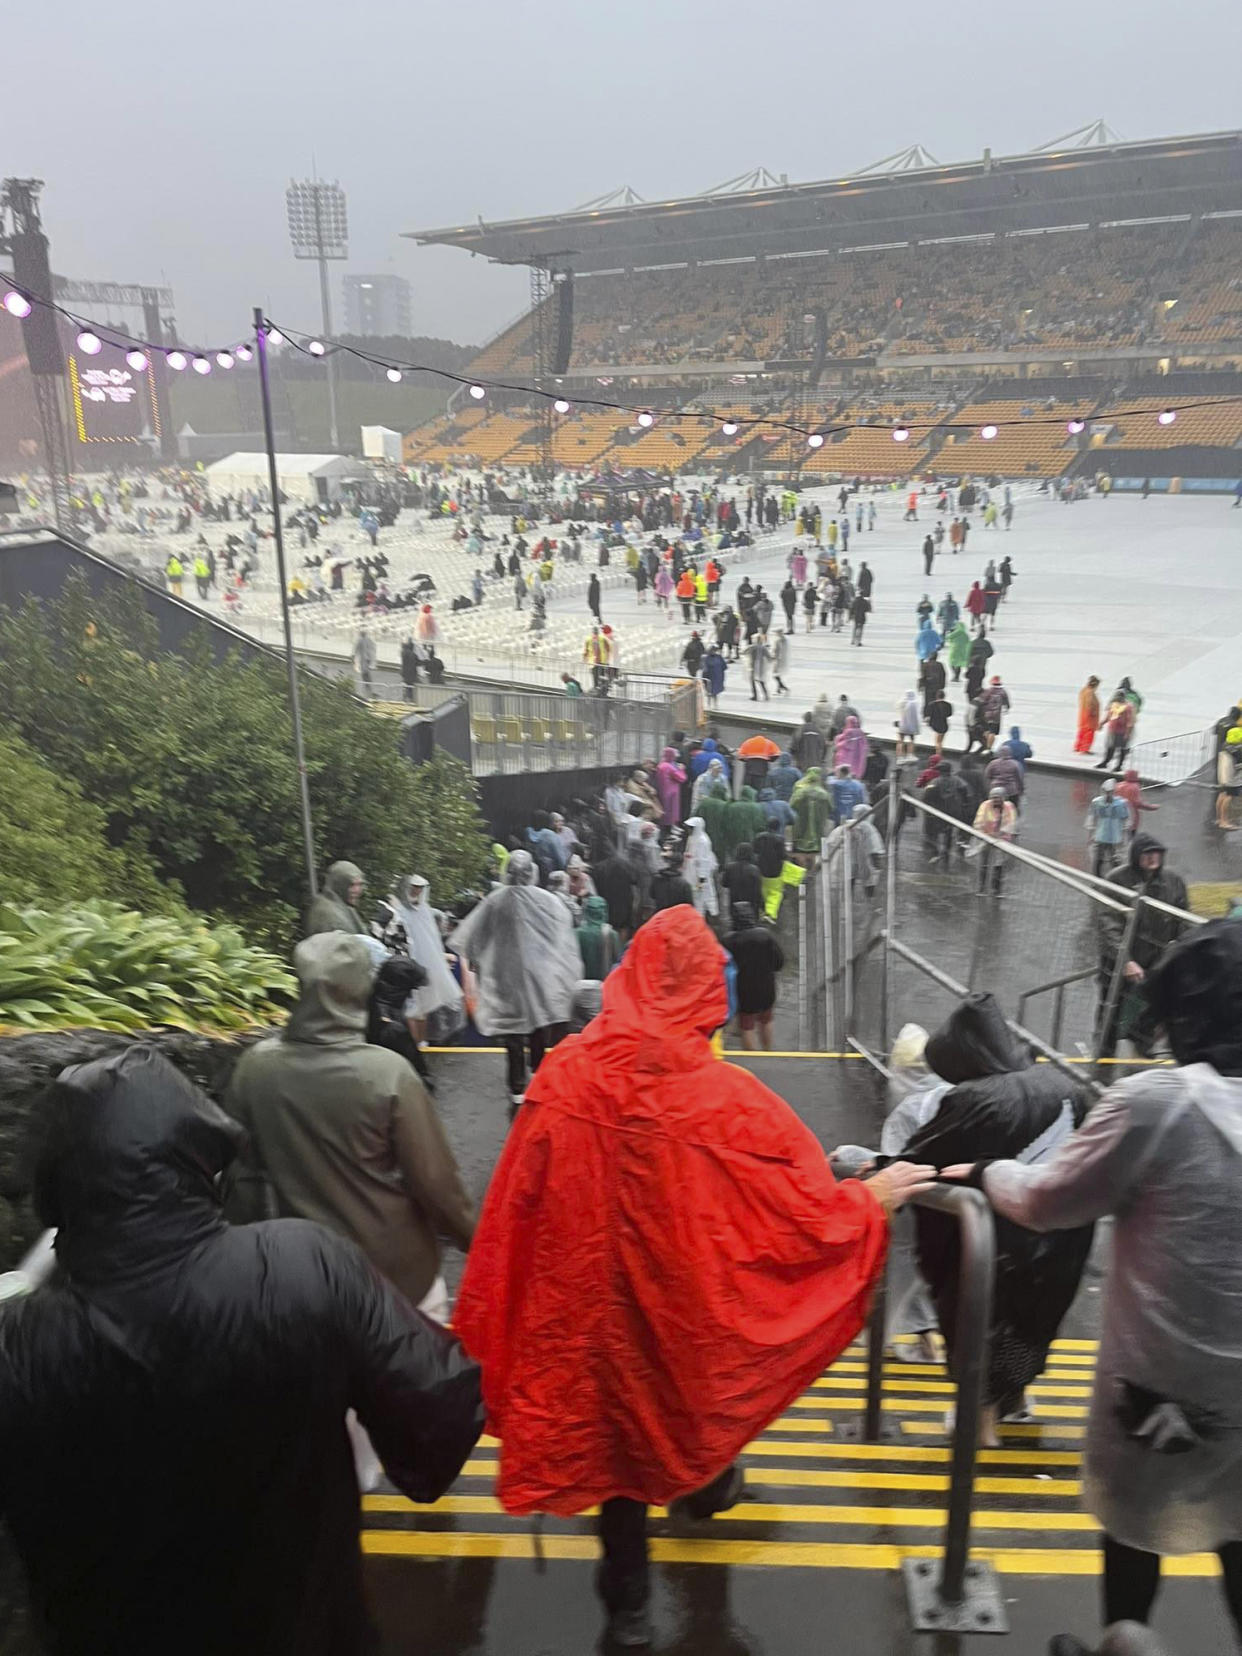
(895, 1184)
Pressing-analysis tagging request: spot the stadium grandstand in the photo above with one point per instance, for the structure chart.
(1077, 282)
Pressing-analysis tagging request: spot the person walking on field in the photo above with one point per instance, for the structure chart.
(958, 645)
(593, 597)
(929, 554)
(758, 661)
(976, 604)
(1088, 715)
(907, 723)
(860, 609)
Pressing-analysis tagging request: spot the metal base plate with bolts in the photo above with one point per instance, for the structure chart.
(982, 1609)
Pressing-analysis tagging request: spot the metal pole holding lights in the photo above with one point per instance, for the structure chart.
(295, 704)
(319, 230)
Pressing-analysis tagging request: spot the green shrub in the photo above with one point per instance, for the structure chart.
(189, 760)
(100, 966)
(53, 842)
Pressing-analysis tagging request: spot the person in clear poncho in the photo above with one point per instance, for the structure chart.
(436, 1007)
(1162, 1153)
(521, 943)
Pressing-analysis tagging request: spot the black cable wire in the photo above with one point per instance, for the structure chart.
(299, 341)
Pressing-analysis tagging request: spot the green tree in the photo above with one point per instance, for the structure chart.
(189, 759)
(53, 842)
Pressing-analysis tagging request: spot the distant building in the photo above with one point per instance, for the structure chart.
(377, 306)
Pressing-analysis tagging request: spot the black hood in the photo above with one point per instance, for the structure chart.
(1195, 991)
(127, 1166)
(1142, 843)
(975, 1041)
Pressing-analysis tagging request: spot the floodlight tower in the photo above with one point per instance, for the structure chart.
(319, 229)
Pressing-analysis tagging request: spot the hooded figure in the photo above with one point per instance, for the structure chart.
(958, 643)
(191, 1379)
(334, 908)
(439, 1002)
(928, 640)
(741, 821)
(669, 777)
(686, 1319)
(343, 1132)
(711, 782)
(850, 747)
(1000, 1103)
(699, 865)
(783, 775)
(520, 941)
(1018, 749)
(1154, 930)
(812, 807)
(703, 758)
(598, 944)
(741, 880)
(1162, 1153)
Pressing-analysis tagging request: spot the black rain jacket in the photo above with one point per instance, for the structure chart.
(174, 1462)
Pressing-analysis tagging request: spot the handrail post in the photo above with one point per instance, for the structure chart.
(960, 1595)
(803, 990)
(873, 1414)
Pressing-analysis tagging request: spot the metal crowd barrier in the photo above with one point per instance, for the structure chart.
(956, 1594)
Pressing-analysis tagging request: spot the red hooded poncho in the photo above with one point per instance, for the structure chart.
(664, 1260)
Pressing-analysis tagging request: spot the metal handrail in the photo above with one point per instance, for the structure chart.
(962, 1596)
(1058, 985)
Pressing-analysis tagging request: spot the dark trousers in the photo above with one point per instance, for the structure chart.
(539, 1041)
(1114, 755)
(858, 632)
(1132, 1579)
(1103, 858)
(625, 1573)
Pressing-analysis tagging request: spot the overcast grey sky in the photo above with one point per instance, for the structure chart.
(166, 133)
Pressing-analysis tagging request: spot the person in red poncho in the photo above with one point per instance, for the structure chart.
(663, 1263)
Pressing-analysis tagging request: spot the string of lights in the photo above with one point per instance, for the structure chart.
(93, 336)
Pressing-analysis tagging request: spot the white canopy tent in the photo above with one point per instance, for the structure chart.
(302, 477)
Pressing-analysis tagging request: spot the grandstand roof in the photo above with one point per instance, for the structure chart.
(1046, 189)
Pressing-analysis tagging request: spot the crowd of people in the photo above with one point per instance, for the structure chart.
(314, 1356)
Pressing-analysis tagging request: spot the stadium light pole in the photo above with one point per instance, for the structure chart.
(295, 703)
(319, 230)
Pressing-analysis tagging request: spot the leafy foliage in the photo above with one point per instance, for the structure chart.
(53, 842)
(100, 966)
(189, 760)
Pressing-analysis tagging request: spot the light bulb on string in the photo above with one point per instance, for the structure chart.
(17, 304)
(1166, 416)
(988, 432)
(815, 440)
(201, 365)
(729, 428)
(274, 335)
(244, 353)
(316, 347)
(137, 360)
(901, 434)
(89, 343)
(1075, 426)
(176, 360)
(478, 392)
(394, 374)
(561, 406)
(645, 419)
(224, 358)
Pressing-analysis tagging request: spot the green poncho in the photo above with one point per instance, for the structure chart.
(744, 819)
(812, 809)
(597, 942)
(958, 642)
